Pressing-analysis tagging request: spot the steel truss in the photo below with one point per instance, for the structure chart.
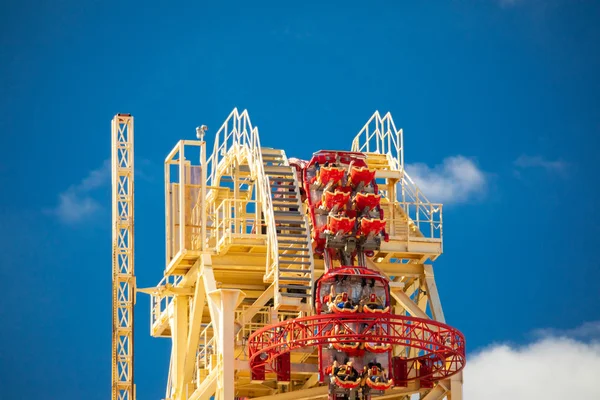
(438, 344)
(123, 279)
(220, 300)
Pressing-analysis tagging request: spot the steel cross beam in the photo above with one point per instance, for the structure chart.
(123, 278)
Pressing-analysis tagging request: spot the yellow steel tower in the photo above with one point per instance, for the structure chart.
(242, 296)
(123, 286)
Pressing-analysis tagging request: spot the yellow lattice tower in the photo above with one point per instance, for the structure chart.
(123, 277)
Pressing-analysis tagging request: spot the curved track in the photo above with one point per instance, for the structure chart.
(439, 346)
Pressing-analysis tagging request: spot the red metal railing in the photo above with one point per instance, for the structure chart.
(440, 349)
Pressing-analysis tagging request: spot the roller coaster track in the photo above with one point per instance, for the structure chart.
(439, 346)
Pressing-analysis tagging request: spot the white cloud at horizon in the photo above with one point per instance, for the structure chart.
(76, 203)
(458, 179)
(552, 368)
(560, 364)
(589, 331)
(525, 161)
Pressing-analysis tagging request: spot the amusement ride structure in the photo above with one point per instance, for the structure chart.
(288, 278)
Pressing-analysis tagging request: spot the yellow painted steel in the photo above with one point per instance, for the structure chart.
(225, 276)
(123, 278)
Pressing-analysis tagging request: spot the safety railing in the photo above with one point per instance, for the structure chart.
(424, 217)
(237, 139)
(207, 350)
(411, 192)
(161, 303)
(260, 320)
(207, 358)
(185, 198)
(234, 218)
(192, 218)
(412, 220)
(379, 135)
(263, 186)
(235, 133)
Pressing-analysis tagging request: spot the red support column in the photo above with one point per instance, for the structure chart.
(400, 371)
(258, 373)
(283, 367)
(425, 370)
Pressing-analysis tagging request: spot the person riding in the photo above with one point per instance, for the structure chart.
(372, 301)
(347, 372)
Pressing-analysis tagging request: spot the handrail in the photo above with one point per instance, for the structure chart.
(204, 353)
(240, 124)
(264, 319)
(267, 205)
(205, 347)
(412, 194)
(160, 302)
(230, 217)
(379, 135)
(237, 138)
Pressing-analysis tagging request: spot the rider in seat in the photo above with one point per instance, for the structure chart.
(346, 372)
(372, 302)
(375, 374)
(340, 300)
(376, 346)
(377, 378)
(341, 341)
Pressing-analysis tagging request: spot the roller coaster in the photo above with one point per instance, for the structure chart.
(288, 278)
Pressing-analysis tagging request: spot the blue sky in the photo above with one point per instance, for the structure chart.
(499, 101)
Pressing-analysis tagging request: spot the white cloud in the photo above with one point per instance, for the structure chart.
(456, 180)
(557, 366)
(525, 161)
(589, 330)
(96, 177)
(76, 203)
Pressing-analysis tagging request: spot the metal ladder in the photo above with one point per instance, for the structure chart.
(295, 275)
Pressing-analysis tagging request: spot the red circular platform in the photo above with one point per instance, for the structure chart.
(440, 349)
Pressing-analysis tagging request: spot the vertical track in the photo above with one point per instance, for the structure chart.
(123, 278)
